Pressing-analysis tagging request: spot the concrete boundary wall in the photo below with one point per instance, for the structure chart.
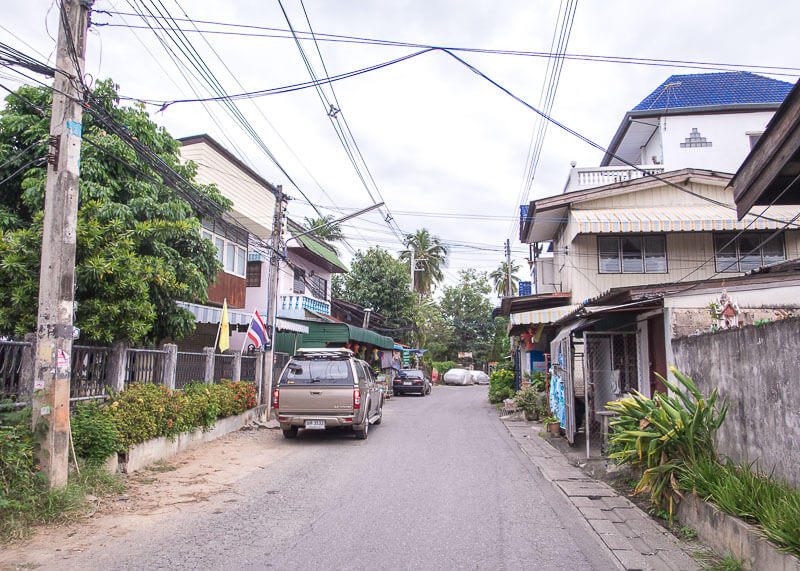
(161, 448)
(726, 533)
(757, 369)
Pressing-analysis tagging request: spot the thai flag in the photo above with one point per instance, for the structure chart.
(257, 332)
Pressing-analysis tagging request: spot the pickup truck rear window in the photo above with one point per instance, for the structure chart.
(317, 372)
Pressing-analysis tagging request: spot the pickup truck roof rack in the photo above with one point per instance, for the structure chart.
(324, 353)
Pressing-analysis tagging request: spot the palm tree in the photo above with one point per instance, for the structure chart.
(500, 279)
(430, 257)
(330, 233)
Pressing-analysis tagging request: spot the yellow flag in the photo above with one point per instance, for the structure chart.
(224, 330)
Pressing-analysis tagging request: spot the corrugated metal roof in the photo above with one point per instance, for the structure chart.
(708, 89)
(321, 333)
(677, 219)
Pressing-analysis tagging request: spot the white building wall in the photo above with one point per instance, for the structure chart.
(653, 149)
(253, 204)
(727, 133)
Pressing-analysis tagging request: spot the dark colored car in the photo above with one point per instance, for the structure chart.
(411, 381)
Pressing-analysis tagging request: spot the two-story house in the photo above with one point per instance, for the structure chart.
(253, 208)
(670, 219)
(304, 300)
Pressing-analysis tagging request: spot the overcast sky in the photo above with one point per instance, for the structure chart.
(446, 148)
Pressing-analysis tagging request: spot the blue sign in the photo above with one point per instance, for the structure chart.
(525, 288)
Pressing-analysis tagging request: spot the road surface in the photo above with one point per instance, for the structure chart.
(438, 485)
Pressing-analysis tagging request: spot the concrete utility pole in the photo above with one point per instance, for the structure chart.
(272, 301)
(54, 322)
(413, 263)
(508, 288)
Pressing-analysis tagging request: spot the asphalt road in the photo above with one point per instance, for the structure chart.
(438, 485)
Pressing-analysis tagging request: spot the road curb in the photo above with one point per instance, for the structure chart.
(631, 535)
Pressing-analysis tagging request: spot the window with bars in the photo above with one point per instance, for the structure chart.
(299, 285)
(632, 254)
(319, 287)
(253, 274)
(747, 251)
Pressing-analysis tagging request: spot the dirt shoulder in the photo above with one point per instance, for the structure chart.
(195, 480)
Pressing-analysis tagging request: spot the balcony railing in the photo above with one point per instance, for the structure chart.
(290, 302)
(581, 178)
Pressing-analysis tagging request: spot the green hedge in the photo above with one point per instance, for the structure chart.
(18, 470)
(142, 412)
(501, 386)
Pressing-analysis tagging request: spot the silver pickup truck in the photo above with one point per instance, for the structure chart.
(326, 388)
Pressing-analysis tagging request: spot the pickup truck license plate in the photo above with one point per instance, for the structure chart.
(315, 425)
(407, 383)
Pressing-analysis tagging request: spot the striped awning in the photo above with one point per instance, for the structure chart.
(286, 325)
(705, 218)
(207, 314)
(541, 315)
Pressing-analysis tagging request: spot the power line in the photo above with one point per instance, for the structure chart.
(190, 82)
(263, 115)
(548, 99)
(334, 113)
(35, 162)
(283, 33)
(194, 58)
(645, 173)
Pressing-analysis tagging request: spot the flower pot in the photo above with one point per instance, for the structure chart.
(554, 428)
(531, 415)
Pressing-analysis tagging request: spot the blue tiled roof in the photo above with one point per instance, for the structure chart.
(706, 89)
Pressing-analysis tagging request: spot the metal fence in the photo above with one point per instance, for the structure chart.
(10, 368)
(248, 368)
(90, 366)
(191, 367)
(144, 366)
(223, 367)
(94, 369)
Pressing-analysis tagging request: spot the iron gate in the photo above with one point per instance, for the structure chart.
(610, 370)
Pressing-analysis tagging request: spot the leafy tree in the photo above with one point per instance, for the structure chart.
(331, 233)
(430, 256)
(138, 244)
(434, 330)
(468, 309)
(380, 282)
(499, 278)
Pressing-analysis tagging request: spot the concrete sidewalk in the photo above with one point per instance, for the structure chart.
(632, 536)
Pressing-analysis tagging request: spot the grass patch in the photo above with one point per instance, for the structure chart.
(41, 505)
(713, 562)
(743, 491)
(162, 466)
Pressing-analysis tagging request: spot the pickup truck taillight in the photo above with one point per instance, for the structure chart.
(275, 398)
(356, 398)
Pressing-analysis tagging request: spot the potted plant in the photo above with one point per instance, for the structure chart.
(551, 422)
(527, 399)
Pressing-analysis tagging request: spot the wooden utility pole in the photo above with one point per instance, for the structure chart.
(54, 323)
(272, 296)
